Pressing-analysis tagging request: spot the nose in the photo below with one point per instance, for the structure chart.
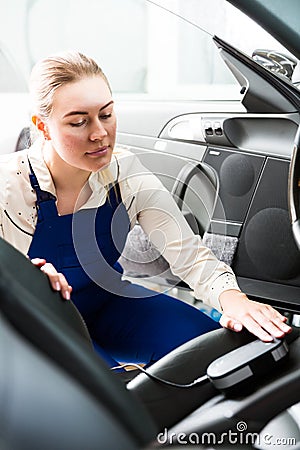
(98, 131)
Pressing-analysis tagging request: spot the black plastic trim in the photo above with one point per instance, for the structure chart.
(282, 296)
(290, 92)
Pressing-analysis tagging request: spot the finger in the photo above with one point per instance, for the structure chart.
(271, 313)
(231, 324)
(49, 270)
(38, 262)
(57, 280)
(274, 325)
(53, 276)
(278, 319)
(283, 325)
(64, 287)
(266, 317)
(255, 328)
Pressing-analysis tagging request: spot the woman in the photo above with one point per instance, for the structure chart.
(70, 199)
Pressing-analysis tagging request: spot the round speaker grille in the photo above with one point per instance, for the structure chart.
(237, 175)
(270, 247)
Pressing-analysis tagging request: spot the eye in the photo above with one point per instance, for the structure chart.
(78, 124)
(105, 116)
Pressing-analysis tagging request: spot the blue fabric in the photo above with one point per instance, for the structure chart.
(126, 322)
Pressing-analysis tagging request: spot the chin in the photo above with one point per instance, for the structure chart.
(101, 165)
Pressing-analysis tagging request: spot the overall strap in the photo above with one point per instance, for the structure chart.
(114, 189)
(114, 194)
(42, 196)
(45, 201)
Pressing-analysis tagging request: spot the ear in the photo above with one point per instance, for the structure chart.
(41, 126)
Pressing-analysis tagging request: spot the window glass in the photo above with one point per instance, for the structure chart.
(11, 78)
(113, 32)
(142, 47)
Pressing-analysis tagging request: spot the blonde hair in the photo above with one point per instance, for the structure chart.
(55, 71)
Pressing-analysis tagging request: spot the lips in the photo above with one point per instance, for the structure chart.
(98, 151)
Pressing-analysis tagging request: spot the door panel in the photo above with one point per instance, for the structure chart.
(250, 153)
(238, 175)
(249, 144)
(267, 249)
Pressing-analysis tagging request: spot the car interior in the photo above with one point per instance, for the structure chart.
(56, 393)
(50, 369)
(234, 173)
(252, 209)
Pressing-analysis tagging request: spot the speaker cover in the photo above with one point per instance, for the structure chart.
(267, 250)
(238, 175)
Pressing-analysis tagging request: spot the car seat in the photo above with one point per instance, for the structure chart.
(38, 318)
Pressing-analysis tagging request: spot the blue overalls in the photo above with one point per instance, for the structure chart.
(127, 322)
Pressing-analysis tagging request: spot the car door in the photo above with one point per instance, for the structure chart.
(248, 142)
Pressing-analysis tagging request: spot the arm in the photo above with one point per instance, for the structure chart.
(213, 281)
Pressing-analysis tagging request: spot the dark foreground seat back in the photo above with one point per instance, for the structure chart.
(43, 407)
(55, 329)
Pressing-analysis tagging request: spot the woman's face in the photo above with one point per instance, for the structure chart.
(82, 125)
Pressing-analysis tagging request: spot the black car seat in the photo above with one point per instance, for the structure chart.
(54, 328)
(43, 407)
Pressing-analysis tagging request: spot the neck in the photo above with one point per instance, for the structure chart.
(72, 189)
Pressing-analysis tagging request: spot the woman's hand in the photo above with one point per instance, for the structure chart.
(260, 319)
(57, 280)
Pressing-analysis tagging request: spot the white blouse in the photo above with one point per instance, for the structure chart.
(146, 200)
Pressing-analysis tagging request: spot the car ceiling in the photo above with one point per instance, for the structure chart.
(279, 18)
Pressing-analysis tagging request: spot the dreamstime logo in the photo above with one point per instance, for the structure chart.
(239, 436)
